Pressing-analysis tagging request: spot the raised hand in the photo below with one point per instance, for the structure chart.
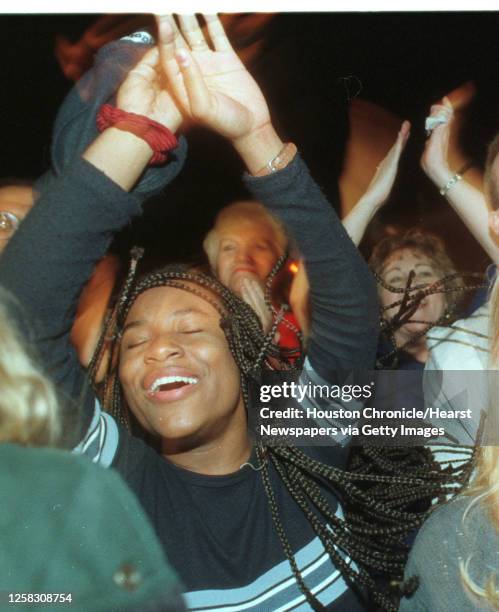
(378, 190)
(211, 85)
(434, 160)
(143, 92)
(122, 155)
(382, 182)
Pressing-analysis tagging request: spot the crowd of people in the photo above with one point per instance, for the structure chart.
(150, 374)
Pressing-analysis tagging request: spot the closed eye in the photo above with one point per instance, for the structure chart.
(134, 344)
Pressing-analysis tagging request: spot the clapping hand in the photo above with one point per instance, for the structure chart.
(382, 182)
(210, 83)
(434, 159)
(143, 91)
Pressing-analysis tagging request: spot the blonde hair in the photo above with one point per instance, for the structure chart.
(242, 211)
(29, 411)
(485, 485)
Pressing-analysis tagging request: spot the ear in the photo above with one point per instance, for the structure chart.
(494, 222)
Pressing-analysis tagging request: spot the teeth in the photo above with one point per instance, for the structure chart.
(168, 380)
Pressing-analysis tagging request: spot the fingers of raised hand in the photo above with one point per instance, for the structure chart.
(193, 33)
(196, 38)
(405, 130)
(402, 137)
(441, 110)
(195, 87)
(217, 33)
(439, 119)
(170, 39)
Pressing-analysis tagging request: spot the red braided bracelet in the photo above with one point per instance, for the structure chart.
(158, 137)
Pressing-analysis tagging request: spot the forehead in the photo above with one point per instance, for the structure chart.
(406, 258)
(246, 229)
(170, 302)
(16, 199)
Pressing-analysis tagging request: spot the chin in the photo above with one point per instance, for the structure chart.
(171, 429)
(412, 329)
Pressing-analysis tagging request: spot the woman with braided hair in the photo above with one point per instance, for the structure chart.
(246, 526)
(48, 491)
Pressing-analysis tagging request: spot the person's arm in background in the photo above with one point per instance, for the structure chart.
(214, 88)
(92, 308)
(355, 222)
(53, 254)
(379, 189)
(465, 198)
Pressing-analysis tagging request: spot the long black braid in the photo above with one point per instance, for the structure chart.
(417, 461)
(453, 286)
(371, 536)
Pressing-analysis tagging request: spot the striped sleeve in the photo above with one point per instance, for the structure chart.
(100, 443)
(337, 413)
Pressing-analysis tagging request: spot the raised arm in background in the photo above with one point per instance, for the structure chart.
(379, 189)
(355, 222)
(465, 197)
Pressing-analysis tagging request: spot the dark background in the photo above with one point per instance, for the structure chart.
(309, 67)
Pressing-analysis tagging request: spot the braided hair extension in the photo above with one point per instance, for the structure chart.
(136, 255)
(389, 460)
(437, 483)
(377, 522)
(412, 296)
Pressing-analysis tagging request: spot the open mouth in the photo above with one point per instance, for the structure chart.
(171, 383)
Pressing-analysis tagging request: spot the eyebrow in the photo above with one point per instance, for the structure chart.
(176, 313)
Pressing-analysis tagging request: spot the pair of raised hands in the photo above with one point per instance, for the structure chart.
(435, 157)
(194, 74)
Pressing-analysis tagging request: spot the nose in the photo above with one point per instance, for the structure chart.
(244, 255)
(163, 348)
